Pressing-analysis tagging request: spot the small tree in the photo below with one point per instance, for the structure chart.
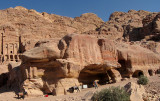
(111, 94)
(143, 80)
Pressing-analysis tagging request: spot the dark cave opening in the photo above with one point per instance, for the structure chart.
(88, 76)
(137, 73)
(150, 72)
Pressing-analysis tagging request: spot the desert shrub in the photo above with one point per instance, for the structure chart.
(142, 80)
(111, 94)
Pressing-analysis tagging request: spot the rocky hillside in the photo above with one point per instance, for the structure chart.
(126, 46)
(32, 25)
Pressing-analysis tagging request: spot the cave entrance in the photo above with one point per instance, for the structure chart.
(89, 74)
(89, 78)
(11, 57)
(124, 70)
(158, 71)
(3, 79)
(137, 73)
(150, 72)
(123, 63)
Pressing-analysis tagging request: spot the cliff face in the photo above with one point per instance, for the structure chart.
(32, 25)
(54, 59)
(78, 59)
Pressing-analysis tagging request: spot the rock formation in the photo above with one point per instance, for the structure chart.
(136, 60)
(54, 59)
(55, 67)
(31, 25)
(136, 91)
(55, 71)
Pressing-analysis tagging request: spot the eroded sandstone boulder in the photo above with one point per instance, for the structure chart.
(136, 91)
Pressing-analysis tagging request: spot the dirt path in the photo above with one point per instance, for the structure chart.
(85, 94)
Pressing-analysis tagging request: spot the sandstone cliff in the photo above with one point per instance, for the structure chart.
(31, 25)
(83, 59)
(55, 58)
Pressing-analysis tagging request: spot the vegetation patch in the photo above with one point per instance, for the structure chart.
(143, 80)
(111, 94)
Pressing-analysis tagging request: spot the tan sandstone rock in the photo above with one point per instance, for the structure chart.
(136, 91)
(80, 56)
(136, 60)
(127, 45)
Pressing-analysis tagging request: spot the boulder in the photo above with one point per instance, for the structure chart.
(33, 86)
(136, 91)
(44, 50)
(40, 53)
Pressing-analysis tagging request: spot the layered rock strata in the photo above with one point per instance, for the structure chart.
(55, 67)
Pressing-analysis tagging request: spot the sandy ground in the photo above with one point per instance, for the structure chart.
(84, 95)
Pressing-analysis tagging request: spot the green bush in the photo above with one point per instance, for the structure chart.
(111, 94)
(143, 80)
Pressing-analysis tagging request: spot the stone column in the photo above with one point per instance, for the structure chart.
(27, 74)
(9, 59)
(14, 57)
(34, 72)
(18, 57)
(5, 57)
(30, 72)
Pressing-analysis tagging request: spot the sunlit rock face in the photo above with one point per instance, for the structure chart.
(78, 57)
(53, 66)
(53, 60)
(136, 60)
(95, 56)
(33, 26)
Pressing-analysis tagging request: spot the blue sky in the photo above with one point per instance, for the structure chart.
(74, 8)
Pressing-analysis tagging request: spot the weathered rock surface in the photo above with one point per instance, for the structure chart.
(80, 56)
(31, 25)
(88, 49)
(136, 91)
(83, 58)
(136, 60)
(122, 25)
(151, 27)
(125, 46)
